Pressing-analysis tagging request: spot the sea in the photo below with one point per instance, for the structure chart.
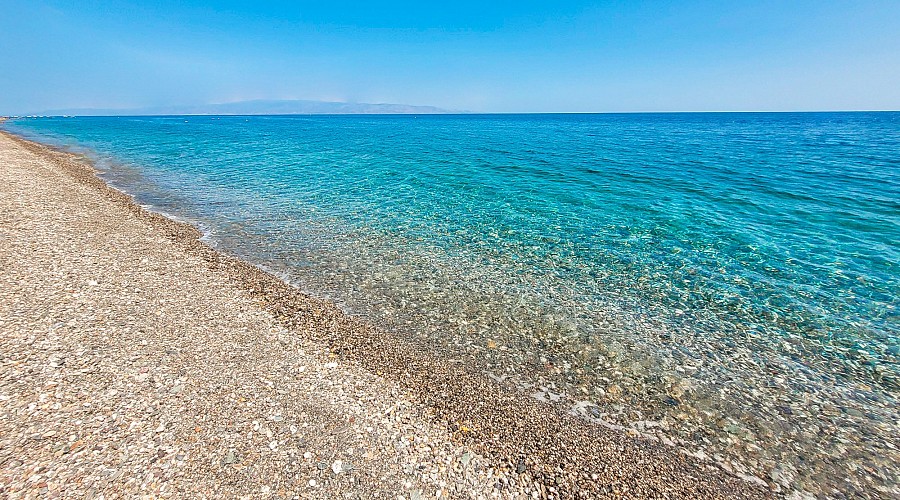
(725, 283)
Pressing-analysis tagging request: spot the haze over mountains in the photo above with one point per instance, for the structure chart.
(256, 107)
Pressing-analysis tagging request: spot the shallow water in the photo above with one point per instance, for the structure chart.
(727, 283)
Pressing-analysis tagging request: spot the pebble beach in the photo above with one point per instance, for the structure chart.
(137, 361)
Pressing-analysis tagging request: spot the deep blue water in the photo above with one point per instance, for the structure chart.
(737, 268)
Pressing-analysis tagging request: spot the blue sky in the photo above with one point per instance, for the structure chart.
(505, 56)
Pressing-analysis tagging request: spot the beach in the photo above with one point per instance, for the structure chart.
(137, 360)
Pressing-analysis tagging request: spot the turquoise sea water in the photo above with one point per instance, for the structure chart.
(727, 283)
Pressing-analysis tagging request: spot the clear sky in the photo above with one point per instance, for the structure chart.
(490, 56)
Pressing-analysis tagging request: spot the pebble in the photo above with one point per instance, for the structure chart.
(171, 311)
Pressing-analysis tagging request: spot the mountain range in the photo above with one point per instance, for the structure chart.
(255, 107)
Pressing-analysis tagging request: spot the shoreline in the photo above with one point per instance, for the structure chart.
(532, 441)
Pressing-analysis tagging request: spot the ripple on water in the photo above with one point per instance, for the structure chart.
(722, 283)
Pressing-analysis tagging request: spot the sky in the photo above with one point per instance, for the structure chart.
(479, 56)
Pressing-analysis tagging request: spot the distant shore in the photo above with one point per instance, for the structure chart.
(148, 328)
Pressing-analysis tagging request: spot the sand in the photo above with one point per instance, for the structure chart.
(136, 361)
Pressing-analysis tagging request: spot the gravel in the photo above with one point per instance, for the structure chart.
(138, 361)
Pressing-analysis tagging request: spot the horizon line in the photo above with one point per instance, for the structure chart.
(455, 113)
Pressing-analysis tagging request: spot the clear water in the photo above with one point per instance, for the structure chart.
(727, 283)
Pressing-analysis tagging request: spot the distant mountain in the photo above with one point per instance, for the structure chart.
(256, 107)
